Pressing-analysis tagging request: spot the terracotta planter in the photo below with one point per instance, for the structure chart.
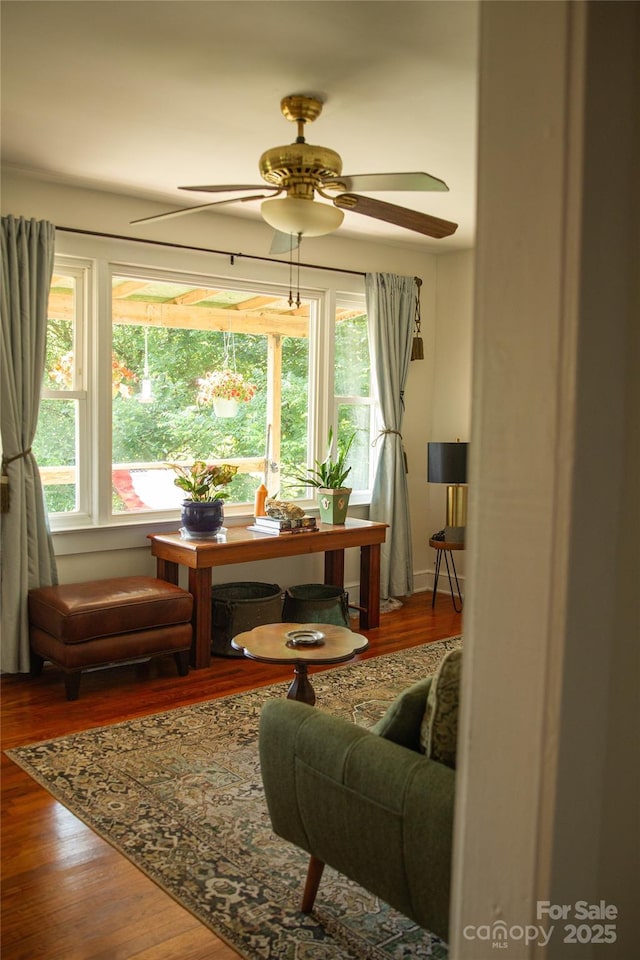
(202, 520)
(333, 504)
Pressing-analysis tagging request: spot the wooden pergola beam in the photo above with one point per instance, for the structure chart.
(186, 317)
(195, 296)
(184, 312)
(207, 318)
(127, 287)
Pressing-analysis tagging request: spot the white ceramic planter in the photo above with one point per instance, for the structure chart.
(225, 408)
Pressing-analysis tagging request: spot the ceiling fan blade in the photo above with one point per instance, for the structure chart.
(228, 187)
(401, 216)
(284, 242)
(200, 206)
(388, 181)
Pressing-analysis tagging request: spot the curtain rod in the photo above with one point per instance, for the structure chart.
(224, 253)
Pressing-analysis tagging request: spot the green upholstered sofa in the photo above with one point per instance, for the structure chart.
(376, 805)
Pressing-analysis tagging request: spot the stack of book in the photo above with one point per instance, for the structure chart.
(276, 526)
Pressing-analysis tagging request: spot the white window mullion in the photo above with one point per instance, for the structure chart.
(322, 412)
(83, 333)
(101, 420)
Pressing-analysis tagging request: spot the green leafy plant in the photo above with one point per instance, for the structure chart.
(331, 472)
(202, 481)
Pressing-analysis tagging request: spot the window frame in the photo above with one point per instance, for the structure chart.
(126, 271)
(93, 330)
(82, 271)
(350, 301)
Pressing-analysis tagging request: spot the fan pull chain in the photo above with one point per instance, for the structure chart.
(291, 272)
(297, 301)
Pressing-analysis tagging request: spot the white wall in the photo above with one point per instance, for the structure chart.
(449, 353)
(547, 789)
(446, 280)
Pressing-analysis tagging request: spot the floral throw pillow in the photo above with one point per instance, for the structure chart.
(439, 729)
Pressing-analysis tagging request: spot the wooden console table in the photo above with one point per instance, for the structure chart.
(246, 546)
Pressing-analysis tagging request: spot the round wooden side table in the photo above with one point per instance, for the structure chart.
(445, 548)
(300, 644)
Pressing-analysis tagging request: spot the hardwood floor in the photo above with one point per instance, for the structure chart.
(66, 893)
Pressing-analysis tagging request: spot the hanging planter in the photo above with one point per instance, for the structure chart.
(225, 390)
(225, 408)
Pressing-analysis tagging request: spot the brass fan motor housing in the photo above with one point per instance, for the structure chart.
(299, 168)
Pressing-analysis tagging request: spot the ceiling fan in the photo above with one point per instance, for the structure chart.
(300, 171)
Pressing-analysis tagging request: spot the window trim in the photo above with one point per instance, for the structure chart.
(82, 270)
(317, 316)
(101, 258)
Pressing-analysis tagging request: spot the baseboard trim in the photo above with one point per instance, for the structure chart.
(422, 582)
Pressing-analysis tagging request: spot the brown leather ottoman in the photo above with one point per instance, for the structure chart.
(105, 622)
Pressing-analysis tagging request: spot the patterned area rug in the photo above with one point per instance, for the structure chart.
(180, 795)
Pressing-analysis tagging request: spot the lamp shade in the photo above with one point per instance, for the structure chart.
(447, 462)
(300, 216)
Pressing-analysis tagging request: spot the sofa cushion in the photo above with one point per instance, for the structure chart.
(402, 720)
(439, 728)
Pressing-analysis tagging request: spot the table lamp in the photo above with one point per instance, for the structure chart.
(447, 463)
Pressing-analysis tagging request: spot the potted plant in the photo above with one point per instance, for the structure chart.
(225, 389)
(202, 511)
(329, 476)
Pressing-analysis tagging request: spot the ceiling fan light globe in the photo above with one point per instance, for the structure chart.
(306, 217)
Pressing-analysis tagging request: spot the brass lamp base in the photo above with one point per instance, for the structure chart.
(456, 519)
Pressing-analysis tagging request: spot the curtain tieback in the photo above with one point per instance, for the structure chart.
(386, 431)
(383, 433)
(5, 498)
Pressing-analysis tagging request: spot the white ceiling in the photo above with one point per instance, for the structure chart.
(139, 96)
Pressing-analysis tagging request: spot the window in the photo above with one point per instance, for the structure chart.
(129, 388)
(177, 348)
(354, 412)
(62, 422)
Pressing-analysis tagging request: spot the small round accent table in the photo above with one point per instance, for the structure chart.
(445, 548)
(300, 644)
